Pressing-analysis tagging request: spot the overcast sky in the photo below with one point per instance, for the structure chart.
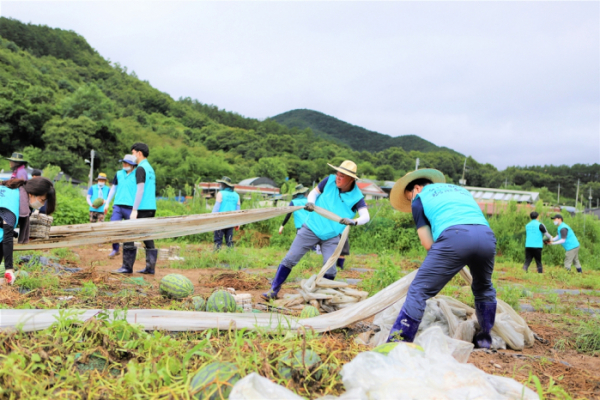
(509, 83)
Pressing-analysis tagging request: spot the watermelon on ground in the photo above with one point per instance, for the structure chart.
(295, 365)
(21, 274)
(198, 303)
(309, 312)
(176, 286)
(221, 301)
(214, 381)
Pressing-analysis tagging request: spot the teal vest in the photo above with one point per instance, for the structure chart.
(447, 205)
(149, 196)
(96, 194)
(300, 216)
(571, 242)
(339, 203)
(534, 238)
(126, 188)
(229, 200)
(9, 199)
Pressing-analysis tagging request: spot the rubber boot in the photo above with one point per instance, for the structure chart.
(580, 271)
(404, 329)
(340, 263)
(524, 268)
(151, 255)
(128, 260)
(486, 316)
(115, 251)
(282, 273)
(331, 277)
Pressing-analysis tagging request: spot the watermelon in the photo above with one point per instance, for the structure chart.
(176, 286)
(97, 203)
(309, 312)
(21, 274)
(214, 381)
(291, 365)
(387, 347)
(221, 301)
(198, 303)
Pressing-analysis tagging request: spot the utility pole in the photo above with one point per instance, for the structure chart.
(577, 195)
(90, 181)
(590, 199)
(463, 181)
(417, 164)
(558, 198)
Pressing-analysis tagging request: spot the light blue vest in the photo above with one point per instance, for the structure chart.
(229, 200)
(447, 205)
(333, 200)
(300, 216)
(534, 238)
(9, 199)
(126, 188)
(571, 242)
(96, 194)
(149, 196)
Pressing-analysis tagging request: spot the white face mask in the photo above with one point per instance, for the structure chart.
(37, 204)
(127, 169)
(556, 222)
(100, 184)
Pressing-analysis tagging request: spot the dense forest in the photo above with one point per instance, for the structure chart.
(59, 99)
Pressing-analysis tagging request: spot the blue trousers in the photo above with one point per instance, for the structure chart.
(218, 237)
(457, 246)
(119, 213)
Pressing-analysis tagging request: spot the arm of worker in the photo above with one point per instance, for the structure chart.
(423, 224)
(286, 219)
(238, 206)
(140, 178)
(89, 196)
(545, 232)
(563, 236)
(111, 194)
(218, 200)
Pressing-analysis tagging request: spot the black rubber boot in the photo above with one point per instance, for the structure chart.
(151, 255)
(128, 260)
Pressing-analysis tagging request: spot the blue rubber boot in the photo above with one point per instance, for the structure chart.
(128, 260)
(340, 263)
(282, 273)
(151, 256)
(404, 330)
(486, 316)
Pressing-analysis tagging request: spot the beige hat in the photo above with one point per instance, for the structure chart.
(347, 168)
(399, 202)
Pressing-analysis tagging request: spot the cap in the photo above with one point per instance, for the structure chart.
(557, 216)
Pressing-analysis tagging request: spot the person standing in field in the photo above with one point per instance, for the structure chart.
(566, 237)
(17, 165)
(298, 199)
(339, 194)
(144, 206)
(226, 200)
(455, 233)
(98, 191)
(124, 187)
(534, 241)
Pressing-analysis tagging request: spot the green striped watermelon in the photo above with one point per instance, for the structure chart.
(21, 274)
(97, 203)
(309, 312)
(214, 381)
(221, 301)
(176, 286)
(291, 365)
(198, 303)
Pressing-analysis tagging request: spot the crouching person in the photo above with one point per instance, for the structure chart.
(455, 233)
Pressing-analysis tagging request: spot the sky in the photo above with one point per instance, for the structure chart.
(508, 83)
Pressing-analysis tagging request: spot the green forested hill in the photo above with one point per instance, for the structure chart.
(356, 137)
(59, 99)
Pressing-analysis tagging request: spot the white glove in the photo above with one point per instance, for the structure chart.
(9, 276)
(281, 229)
(133, 214)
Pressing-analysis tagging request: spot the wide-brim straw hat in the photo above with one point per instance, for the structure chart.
(226, 180)
(347, 168)
(17, 157)
(399, 202)
(300, 189)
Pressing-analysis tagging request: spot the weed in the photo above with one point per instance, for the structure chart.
(588, 339)
(386, 273)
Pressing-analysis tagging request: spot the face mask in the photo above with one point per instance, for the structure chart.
(36, 204)
(127, 169)
(556, 222)
(100, 184)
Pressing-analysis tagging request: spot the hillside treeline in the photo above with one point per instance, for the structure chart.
(59, 99)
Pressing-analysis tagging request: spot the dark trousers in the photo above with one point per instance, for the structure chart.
(119, 213)
(218, 237)
(6, 249)
(533, 253)
(148, 244)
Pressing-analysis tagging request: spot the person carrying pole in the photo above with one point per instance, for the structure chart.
(336, 193)
(455, 233)
(17, 198)
(98, 191)
(534, 241)
(144, 206)
(298, 199)
(17, 165)
(566, 237)
(124, 187)
(226, 200)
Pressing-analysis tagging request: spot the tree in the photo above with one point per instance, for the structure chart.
(271, 167)
(385, 173)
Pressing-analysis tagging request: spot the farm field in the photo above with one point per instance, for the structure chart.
(112, 359)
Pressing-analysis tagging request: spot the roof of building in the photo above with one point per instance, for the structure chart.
(369, 188)
(258, 181)
(482, 194)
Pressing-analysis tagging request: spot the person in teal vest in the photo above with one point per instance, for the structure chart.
(144, 206)
(534, 241)
(17, 199)
(98, 191)
(123, 189)
(298, 199)
(566, 237)
(455, 233)
(339, 194)
(226, 200)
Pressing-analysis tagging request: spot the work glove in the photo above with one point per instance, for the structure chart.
(309, 207)
(347, 221)
(9, 276)
(281, 229)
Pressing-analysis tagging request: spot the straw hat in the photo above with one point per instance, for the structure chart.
(226, 180)
(347, 168)
(399, 202)
(300, 189)
(17, 157)
(101, 175)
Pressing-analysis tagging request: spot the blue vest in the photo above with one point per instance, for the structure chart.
(447, 205)
(333, 200)
(96, 194)
(229, 200)
(126, 188)
(9, 199)
(149, 196)
(571, 242)
(300, 216)
(534, 238)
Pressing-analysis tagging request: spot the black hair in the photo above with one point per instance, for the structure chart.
(534, 215)
(143, 147)
(36, 187)
(36, 172)
(420, 182)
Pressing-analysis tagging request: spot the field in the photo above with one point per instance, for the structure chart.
(112, 359)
